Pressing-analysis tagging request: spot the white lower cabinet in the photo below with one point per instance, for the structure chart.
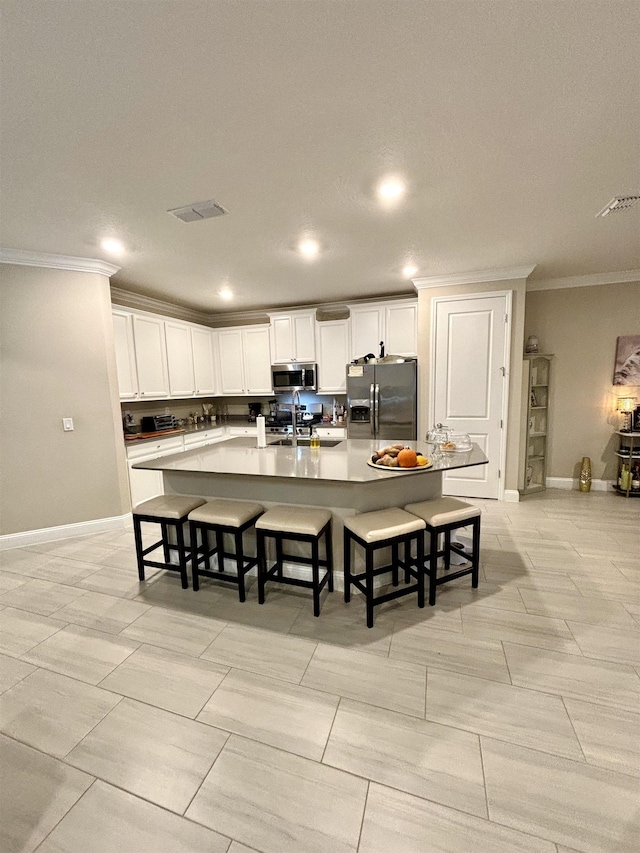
(144, 485)
(248, 430)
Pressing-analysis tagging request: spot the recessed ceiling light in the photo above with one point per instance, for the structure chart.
(391, 189)
(409, 270)
(226, 293)
(308, 247)
(112, 246)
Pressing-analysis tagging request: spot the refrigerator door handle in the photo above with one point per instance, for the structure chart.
(372, 409)
(376, 412)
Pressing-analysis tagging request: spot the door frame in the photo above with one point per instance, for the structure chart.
(508, 296)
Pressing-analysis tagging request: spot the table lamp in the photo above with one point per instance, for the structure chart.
(626, 405)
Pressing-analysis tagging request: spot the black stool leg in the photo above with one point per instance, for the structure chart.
(182, 557)
(165, 541)
(369, 584)
(447, 550)
(328, 543)
(476, 552)
(433, 565)
(240, 566)
(420, 566)
(347, 566)
(315, 568)
(407, 559)
(394, 564)
(262, 564)
(193, 532)
(220, 549)
(279, 554)
(137, 533)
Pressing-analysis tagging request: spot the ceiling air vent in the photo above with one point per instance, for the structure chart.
(197, 212)
(619, 202)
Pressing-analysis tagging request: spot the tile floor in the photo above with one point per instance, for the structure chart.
(504, 719)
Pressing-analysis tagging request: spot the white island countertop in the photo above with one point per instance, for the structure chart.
(346, 462)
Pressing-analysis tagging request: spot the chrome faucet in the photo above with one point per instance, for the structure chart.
(294, 418)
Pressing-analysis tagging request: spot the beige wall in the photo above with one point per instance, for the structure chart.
(580, 326)
(58, 361)
(517, 287)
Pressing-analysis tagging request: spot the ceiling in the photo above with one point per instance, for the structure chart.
(511, 123)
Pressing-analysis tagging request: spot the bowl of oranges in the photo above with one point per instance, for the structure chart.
(400, 459)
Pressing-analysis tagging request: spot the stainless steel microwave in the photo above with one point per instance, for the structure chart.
(293, 377)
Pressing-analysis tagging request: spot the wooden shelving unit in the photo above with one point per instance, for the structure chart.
(628, 454)
(536, 386)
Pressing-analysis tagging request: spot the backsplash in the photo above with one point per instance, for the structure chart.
(230, 406)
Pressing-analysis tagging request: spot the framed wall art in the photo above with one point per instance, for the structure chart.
(627, 366)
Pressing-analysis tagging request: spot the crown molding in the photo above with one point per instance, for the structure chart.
(621, 277)
(452, 279)
(128, 299)
(56, 262)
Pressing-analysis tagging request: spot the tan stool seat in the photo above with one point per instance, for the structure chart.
(443, 511)
(169, 506)
(303, 520)
(383, 524)
(226, 513)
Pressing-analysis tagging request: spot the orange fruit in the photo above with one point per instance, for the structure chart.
(407, 458)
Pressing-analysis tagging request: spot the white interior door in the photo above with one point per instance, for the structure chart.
(469, 382)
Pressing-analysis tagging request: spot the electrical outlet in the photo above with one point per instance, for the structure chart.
(67, 424)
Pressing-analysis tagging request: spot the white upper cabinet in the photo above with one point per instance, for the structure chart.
(293, 337)
(231, 361)
(367, 330)
(257, 360)
(179, 359)
(401, 328)
(204, 372)
(151, 360)
(245, 360)
(332, 348)
(395, 323)
(125, 355)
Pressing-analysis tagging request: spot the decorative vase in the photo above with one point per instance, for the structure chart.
(585, 475)
(531, 344)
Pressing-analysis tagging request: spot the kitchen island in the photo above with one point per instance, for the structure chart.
(336, 477)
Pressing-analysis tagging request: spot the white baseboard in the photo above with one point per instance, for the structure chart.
(511, 496)
(573, 483)
(64, 531)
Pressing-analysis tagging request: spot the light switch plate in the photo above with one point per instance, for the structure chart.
(67, 424)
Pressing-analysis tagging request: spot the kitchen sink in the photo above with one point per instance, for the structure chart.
(305, 442)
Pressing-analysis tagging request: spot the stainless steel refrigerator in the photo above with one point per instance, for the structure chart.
(381, 400)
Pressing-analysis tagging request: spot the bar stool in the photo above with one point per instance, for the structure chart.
(382, 529)
(220, 517)
(443, 515)
(170, 512)
(295, 524)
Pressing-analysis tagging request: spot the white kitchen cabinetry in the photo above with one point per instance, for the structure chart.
(194, 440)
(233, 432)
(179, 359)
(395, 323)
(231, 362)
(204, 372)
(257, 360)
(145, 485)
(332, 349)
(151, 356)
(293, 337)
(245, 361)
(125, 355)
